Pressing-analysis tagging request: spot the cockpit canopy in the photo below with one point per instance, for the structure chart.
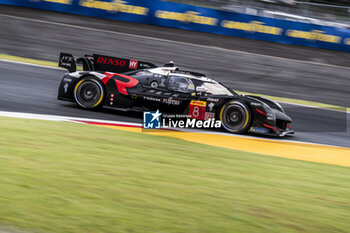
(181, 81)
(189, 84)
(180, 84)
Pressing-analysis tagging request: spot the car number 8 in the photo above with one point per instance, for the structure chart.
(195, 111)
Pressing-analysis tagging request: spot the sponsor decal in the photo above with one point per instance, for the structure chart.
(209, 115)
(314, 35)
(211, 105)
(171, 101)
(65, 2)
(186, 17)
(152, 99)
(213, 100)
(143, 73)
(162, 82)
(144, 65)
(198, 103)
(151, 120)
(111, 61)
(252, 27)
(133, 64)
(115, 6)
(255, 104)
(65, 87)
(259, 130)
(197, 109)
(66, 61)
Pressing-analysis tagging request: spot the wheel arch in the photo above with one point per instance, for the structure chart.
(95, 78)
(245, 105)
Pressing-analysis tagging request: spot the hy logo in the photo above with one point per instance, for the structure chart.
(133, 64)
(151, 120)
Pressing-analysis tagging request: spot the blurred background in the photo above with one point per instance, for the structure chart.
(310, 11)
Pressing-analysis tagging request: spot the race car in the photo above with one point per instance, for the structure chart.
(142, 86)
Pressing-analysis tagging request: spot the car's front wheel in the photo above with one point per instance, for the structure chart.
(235, 117)
(89, 93)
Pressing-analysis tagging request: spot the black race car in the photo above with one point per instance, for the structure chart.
(136, 85)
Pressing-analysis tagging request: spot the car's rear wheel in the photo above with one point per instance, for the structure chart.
(89, 93)
(235, 117)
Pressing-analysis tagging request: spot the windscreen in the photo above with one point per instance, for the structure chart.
(216, 89)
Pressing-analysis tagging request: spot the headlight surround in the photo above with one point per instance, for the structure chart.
(270, 115)
(280, 107)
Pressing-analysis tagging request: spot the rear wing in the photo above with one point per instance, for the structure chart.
(102, 63)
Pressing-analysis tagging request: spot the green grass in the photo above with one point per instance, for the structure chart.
(66, 177)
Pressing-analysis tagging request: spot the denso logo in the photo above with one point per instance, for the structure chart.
(111, 61)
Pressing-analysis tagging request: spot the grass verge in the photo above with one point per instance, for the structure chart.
(68, 177)
(29, 60)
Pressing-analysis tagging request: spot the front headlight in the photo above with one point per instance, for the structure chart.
(270, 115)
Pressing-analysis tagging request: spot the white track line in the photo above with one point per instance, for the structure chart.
(172, 41)
(35, 116)
(57, 118)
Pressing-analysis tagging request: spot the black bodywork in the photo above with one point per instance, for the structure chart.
(136, 85)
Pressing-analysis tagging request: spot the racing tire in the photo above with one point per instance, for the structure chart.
(89, 93)
(235, 117)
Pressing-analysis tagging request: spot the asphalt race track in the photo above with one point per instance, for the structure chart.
(247, 65)
(31, 89)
